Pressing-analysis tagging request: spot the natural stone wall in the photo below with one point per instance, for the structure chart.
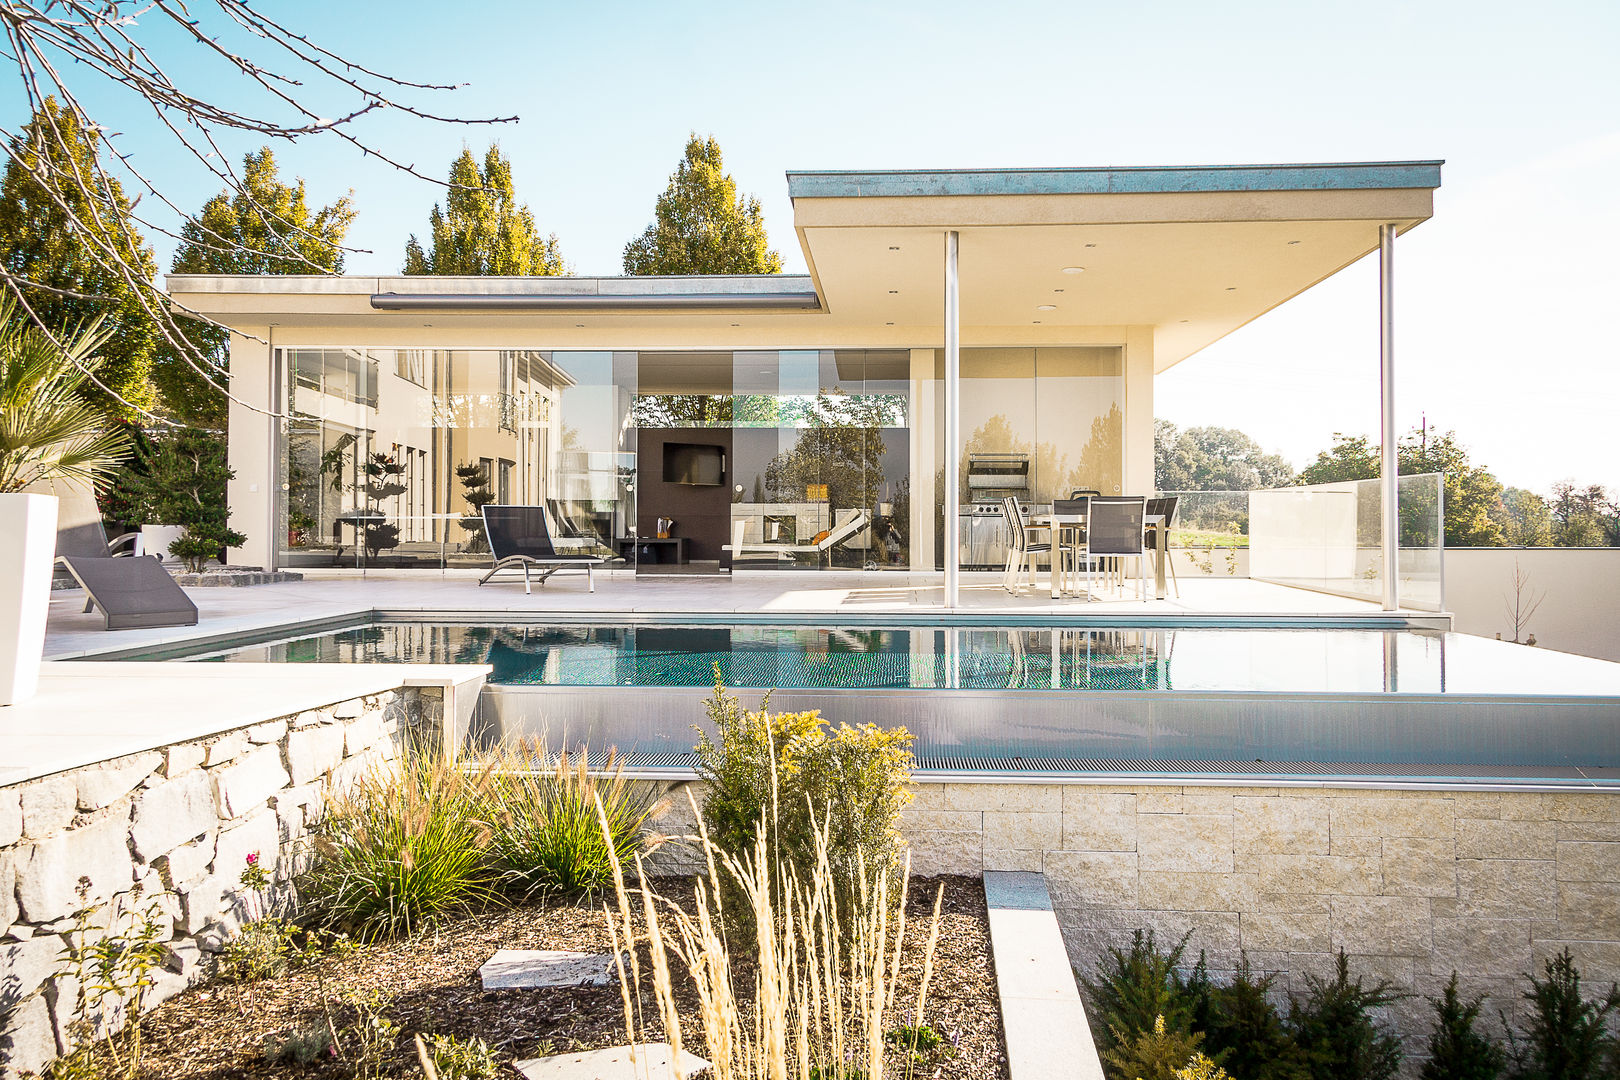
(1411, 884)
(172, 826)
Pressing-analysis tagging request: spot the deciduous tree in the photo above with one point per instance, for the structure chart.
(1214, 459)
(482, 228)
(1525, 519)
(227, 68)
(701, 225)
(264, 227)
(58, 218)
(1472, 495)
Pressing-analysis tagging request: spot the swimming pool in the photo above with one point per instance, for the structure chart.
(766, 656)
(1293, 703)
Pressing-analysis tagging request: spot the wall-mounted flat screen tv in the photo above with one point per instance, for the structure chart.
(698, 466)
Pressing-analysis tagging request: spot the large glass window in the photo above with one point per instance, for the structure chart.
(1037, 424)
(687, 461)
(387, 455)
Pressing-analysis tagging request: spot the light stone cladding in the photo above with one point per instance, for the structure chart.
(1411, 884)
(173, 827)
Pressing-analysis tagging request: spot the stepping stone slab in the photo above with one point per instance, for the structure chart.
(527, 968)
(652, 1062)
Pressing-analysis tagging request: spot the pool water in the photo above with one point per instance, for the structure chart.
(900, 657)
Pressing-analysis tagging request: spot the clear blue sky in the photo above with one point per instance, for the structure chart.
(1507, 298)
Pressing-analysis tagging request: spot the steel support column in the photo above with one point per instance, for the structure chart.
(951, 492)
(1390, 469)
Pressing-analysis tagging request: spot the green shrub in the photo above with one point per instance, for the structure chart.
(1158, 1054)
(1568, 1036)
(399, 851)
(1335, 1032)
(1134, 989)
(462, 1059)
(851, 781)
(260, 951)
(184, 483)
(303, 1045)
(544, 832)
(1457, 1051)
(1245, 1031)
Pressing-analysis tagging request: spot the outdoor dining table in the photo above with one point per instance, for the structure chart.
(1061, 522)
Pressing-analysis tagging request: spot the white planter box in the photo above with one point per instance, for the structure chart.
(155, 540)
(27, 550)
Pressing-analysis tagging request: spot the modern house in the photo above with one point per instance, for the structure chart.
(961, 336)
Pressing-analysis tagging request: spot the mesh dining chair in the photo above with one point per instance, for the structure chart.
(1115, 529)
(1069, 540)
(1021, 552)
(1166, 507)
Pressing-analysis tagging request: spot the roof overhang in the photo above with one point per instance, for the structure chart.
(1193, 253)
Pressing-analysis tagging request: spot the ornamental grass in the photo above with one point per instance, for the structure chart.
(804, 997)
(424, 839)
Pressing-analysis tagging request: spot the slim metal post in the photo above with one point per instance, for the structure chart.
(953, 423)
(1390, 470)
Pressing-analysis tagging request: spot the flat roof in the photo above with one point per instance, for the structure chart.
(1110, 180)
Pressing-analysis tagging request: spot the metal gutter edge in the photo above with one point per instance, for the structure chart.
(799, 301)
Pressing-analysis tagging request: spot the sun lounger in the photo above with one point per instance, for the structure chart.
(849, 529)
(519, 540)
(131, 593)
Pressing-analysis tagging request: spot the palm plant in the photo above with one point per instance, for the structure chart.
(48, 430)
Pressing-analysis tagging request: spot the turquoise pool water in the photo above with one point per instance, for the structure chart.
(784, 656)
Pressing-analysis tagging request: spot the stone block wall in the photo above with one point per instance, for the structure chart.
(172, 826)
(1411, 884)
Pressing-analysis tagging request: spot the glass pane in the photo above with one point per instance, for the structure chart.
(1079, 422)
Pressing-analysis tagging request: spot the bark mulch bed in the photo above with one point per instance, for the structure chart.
(431, 985)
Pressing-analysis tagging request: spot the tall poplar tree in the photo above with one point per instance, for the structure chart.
(265, 227)
(63, 226)
(483, 229)
(701, 225)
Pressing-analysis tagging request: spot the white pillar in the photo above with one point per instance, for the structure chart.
(253, 442)
(1390, 469)
(953, 422)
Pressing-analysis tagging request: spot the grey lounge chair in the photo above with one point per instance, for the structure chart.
(78, 526)
(519, 540)
(132, 593)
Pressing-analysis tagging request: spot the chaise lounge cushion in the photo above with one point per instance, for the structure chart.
(132, 593)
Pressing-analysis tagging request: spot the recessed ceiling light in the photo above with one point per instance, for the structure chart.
(1074, 269)
(1045, 307)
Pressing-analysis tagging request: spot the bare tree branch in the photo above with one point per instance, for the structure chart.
(58, 47)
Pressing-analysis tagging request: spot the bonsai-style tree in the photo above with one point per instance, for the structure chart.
(382, 482)
(476, 491)
(48, 430)
(184, 485)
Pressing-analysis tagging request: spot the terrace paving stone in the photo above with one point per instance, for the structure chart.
(655, 1061)
(527, 968)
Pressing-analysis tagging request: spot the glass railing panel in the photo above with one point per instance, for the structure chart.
(1326, 537)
